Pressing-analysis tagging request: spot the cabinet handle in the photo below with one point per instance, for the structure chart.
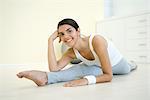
(142, 20)
(142, 56)
(142, 44)
(142, 32)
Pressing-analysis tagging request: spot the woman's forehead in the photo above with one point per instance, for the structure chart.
(64, 27)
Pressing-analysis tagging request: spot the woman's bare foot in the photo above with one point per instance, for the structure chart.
(39, 77)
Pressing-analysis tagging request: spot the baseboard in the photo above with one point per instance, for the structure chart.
(25, 65)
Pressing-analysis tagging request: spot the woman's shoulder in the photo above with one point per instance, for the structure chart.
(98, 40)
(97, 37)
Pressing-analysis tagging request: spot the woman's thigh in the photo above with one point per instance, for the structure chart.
(75, 72)
(123, 67)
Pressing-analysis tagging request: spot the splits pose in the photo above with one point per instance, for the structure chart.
(100, 59)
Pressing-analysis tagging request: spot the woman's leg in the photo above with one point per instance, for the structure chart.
(38, 77)
(75, 72)
(123, 67)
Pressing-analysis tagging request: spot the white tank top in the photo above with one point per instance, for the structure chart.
(114, 55)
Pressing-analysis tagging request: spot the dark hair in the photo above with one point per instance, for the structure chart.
(70, 22)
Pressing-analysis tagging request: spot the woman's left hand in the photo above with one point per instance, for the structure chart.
(78, 82)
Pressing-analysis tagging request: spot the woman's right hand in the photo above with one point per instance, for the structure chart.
(53, 36)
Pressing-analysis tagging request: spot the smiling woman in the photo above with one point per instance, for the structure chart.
(67, 30)
(100, 59)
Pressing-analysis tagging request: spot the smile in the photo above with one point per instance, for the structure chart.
(69, 40)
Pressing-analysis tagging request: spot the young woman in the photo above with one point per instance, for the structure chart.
(100, 59)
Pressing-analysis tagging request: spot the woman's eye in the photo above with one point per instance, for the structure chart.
(70, 31)
(61, 34)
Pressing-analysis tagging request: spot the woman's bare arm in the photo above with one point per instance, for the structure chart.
(102, 53)
(55, 65)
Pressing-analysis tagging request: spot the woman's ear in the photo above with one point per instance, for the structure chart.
(78, 31)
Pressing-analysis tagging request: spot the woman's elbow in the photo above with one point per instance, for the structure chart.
(110, 77)
(53, 69)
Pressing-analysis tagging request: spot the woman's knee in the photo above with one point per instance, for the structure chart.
(125, 70)
(121, 70)
(92, 70)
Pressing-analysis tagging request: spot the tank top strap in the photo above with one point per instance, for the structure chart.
(91, 46)
(77, 53)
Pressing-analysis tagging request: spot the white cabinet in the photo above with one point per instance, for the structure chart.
(131, 34)
(113, 29)
(137, 38)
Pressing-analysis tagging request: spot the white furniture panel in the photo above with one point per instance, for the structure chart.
(139, 32)
(136, 44)
(113, 29)
(140, 57)
(131, 34)
(135, 21)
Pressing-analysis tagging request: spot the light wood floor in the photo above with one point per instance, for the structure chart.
(133, 86)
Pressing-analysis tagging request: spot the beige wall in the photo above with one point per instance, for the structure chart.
(28, 23)
(0, 24)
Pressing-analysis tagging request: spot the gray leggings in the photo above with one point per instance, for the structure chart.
(80, 70)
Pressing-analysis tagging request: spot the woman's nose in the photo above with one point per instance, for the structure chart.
(66, 36)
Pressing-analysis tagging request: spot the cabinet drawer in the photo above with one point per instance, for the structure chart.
(135, 33)
(148, 31)
(148, 19)
(148, 43)
(148, 60)
(135, 21)
(140, 57)
(136, 44)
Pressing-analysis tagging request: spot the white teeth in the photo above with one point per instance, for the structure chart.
(69, 40)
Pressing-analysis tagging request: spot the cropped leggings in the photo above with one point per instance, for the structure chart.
(80, 70)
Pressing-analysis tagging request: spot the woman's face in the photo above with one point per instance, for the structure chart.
(68, 34)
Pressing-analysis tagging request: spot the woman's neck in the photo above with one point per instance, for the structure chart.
(82, 44)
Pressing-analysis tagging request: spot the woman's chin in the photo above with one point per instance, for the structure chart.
(69, 45)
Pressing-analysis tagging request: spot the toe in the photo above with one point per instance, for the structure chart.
(19, 75)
